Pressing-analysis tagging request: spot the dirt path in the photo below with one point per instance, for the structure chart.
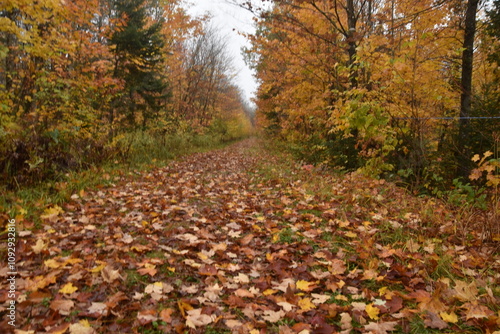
(207, 245)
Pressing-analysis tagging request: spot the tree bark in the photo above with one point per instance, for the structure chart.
(466, 85)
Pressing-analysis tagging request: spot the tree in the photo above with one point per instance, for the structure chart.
(463, 168)
(137, 44)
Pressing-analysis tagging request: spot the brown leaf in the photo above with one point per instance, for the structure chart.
(247, 239)
(151, 271)
(338, 267)
(381, 328)
(433, 320)
(146, 317)
(63, 306)
(166, 315)
(109, 275)
(113, 301)
(207, 270)
(476, 311)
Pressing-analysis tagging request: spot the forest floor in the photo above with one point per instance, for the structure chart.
(245, 240)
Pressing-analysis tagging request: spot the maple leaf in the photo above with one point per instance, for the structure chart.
(52, 213)
(305, 285)
(151, 271)
(449, 317)
(39, 246)
(82, 327)
(100, 309)
(109, 275)
(233, 324)
(432, 320)
(273, 316)
(381, 328)
(63, 306)
(305, 304)
(337, 267)
(476, 311)
(155, 290)
(68, 288)
(146, 317)
(166, 315)
(319, 299)
(372, 311)
(287, 307)
(466, 292)
(242, 279)
(244, 293)
(208, 270)
(196, 319)
(345, 322)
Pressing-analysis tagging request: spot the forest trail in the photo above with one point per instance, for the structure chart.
(233, 241)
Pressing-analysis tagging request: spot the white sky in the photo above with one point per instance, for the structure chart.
(230, 20)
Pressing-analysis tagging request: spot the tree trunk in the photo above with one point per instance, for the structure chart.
(466, 85)
(351, 25)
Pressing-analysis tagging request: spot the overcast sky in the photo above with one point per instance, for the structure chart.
(230, 20)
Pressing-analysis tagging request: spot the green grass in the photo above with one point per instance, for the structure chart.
(134, 278)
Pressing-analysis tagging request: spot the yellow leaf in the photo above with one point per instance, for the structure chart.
(305, 285)
(72, 261)
(475, 158)
(305, 304)
(341, 297)
(351, 235)
(171, 269)
(257, 228)
(451, 317)
(51, 213)
(382, 290)
(68, 289)
(53, 264)
(372, 311)
(99, 268)
(39, 246)
(202, 256)
(269, 292)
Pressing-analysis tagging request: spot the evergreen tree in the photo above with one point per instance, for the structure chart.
(138, 45)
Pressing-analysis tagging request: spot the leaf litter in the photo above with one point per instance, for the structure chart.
(228, 242)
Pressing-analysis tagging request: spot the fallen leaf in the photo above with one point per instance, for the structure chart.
(432, 320)
(63, 306)
(476, 311)
(51, 213)
(166, 315)
(273, 316)
(345, 322)
(196, 319)
(381, 328)
(109, 275)
(449, 317)
(82, 327)
(146, 317)
(100, 309)
(305, 285)
(39, 246)
(305, 304)
(372, 311)
(68, 288)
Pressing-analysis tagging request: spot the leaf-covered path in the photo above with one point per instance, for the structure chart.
(230, 242)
